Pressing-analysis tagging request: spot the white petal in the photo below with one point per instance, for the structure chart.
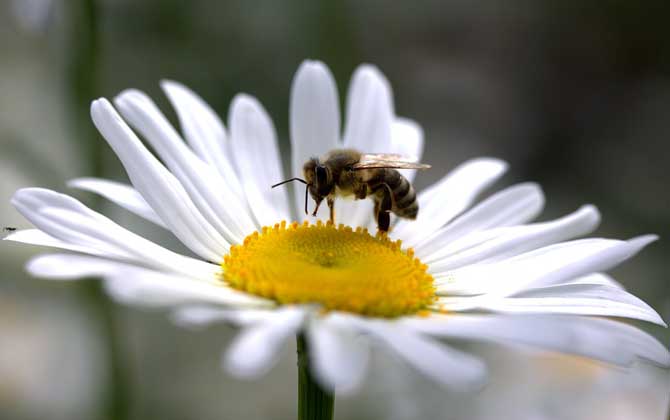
(210, 192)
(597, 278)
(554, 264)
(370, 113)
(254, 144)
(133, 284)
(37, 237)
(446, 199)
(354, 213)
(68, 220)
(441, 363)
(202, 316)
(158, 187)
(520, 239)
(577, 299)
(151, 288)
(71, 266)
(603, 339)
(407, 140)
(514, 205)
(122, 194)
(203, 130)
(339, 358)
(314, 119)
(256, 349)
(369, 124)
(637, 342)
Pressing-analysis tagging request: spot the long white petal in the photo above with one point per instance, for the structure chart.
(443, 364)
(158, 186)
(37, 237)
(204, 131)
(514, 205)
(521, 239)
(355, 213)
(578, 299)
(369, 126)
(136, 285)
(254, 144)
(68, 220)
(256, 349)
(602, 339)
(202, 316)
(407, 140)
(314, 120)
(71, 266)
(370, 113)
(444, 200)
(151, 288)
(210, 192)
(339, 357)
(122, 194)
(554, 264)
(597, 278)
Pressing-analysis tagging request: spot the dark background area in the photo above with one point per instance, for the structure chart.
(574, 96)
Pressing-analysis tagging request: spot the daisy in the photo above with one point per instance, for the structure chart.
(464, 270)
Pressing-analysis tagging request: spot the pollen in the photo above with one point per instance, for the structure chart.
(336, 267)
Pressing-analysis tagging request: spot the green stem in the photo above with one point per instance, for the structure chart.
(314, 403)
(82, 78)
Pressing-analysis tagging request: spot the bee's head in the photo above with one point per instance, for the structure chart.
(318, 182)
(319, 179)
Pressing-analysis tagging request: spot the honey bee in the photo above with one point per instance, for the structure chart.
(348, 172)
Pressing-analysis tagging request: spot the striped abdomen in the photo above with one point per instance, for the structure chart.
(403, 195)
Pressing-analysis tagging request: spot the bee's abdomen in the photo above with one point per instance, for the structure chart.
(404, 196)
(405, 201)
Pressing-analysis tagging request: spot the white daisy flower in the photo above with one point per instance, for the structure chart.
(465, 270)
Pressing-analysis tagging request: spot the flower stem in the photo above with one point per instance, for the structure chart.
(314, 403)
(82, 78)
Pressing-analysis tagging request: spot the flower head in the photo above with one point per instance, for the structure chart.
(462, 270)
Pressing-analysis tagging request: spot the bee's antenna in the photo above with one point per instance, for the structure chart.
(290, 180)
(306, 189)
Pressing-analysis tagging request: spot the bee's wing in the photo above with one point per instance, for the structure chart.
(387, 160)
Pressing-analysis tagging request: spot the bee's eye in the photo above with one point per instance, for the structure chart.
(321, 175)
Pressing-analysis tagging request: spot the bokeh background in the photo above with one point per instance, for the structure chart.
(575, 95)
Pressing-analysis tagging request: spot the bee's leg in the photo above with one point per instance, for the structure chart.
(390, 194)
(361, 191)
(383, 211)
(318, 204)
(331, 207)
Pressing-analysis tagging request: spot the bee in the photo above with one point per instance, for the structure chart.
(348, 172)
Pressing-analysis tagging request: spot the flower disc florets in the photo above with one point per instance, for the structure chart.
(336, 267)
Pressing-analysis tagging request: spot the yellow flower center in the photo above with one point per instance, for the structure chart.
(337, 267)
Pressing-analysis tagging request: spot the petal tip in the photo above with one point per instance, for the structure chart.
(313, 71)
(643, 240)
(311, 65)
(77, 183)
(169, 84)
(129, 96)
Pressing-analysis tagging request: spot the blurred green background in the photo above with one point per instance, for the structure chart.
(575, 96)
